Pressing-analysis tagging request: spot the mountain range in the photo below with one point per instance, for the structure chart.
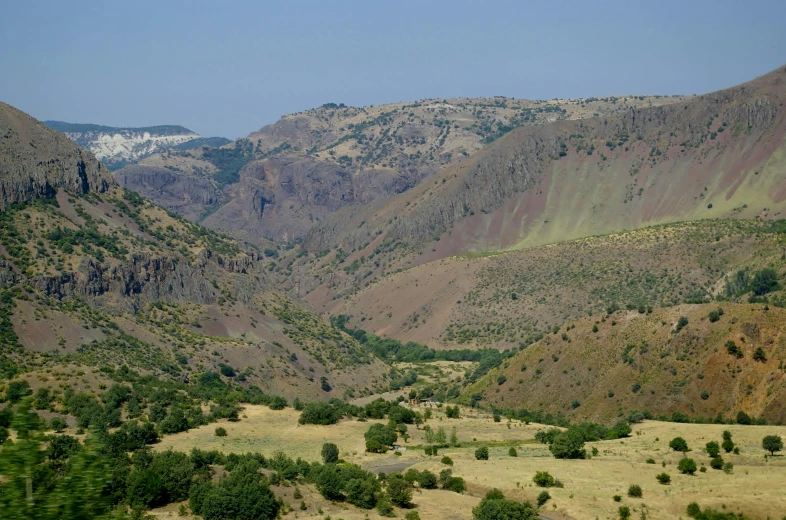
(118, 146)
(592, 238)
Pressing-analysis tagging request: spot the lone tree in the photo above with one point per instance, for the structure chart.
(329, 453)
(772, 443)
(482, 453)
(727, 444)
(679, 444)
(687, 466)
(713, 449)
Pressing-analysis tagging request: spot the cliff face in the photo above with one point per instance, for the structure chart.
(187, 195)
(36, 160)
(117, 147)
(287, 177)
(721, 151)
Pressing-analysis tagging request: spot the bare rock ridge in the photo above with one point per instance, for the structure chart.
(577, 178)
(36, 160)
(119, 146)
(313, 163)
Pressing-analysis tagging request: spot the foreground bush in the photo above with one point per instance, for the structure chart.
(496, 507)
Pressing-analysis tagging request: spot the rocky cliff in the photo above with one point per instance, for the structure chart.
(35, 161)
(116, 147)
(717, 155)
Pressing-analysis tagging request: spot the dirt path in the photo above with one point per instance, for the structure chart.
(395, 467)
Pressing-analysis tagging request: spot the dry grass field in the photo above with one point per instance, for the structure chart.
(754, 487)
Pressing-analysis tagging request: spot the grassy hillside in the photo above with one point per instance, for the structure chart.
(607, 366)
(509, 299)
(111, 280)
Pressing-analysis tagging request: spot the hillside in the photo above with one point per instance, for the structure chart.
(718, 155)
(604, 367)
(287, 177)
(94, 277)
(119, 146)
(509, 299)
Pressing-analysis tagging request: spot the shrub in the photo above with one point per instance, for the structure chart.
(319, 413)
(512, 452)
(496, 507)
(412, 515)
(568, 445)
(221, 432)
(743, 418)
(664, 478)
(379, 437)
(728, 468)
(687, 466)
(58, 424)
(772, 443)
(727, 444)
(712, 448)
(543, 497)
(447, 460)
(650, 461)
(679, 444)
(624, 512)
(634, 490)
(617, 498)
(716, 462)
(543, 479)
(759, 355)
(329, 453)
(482, 453)
(681, 324)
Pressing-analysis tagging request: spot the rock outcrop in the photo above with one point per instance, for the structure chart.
(35, 161)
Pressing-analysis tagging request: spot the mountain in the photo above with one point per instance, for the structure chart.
(284, 179)
(35, 161)
(119, 146)
(607, 366)
(93, 277)
(713, 156)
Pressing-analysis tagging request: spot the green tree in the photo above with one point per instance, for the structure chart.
(679, 444)
(543, 497)
(772, 443)
(512, 452)
(687, 466)
(329, 453)
(242, 495)
(764, 281)
(482, 453)
(496, 507)
(399, 490)
(634, 490)
(713, 448)
(569, 445)
(728, 444)
(75, 492)
(379, 438)
(663, 478)
(543, 479)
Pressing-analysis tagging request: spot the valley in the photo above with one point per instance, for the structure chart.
(411, 309)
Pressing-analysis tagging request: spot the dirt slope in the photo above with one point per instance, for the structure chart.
(640, 362)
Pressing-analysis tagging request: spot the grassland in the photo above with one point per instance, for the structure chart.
(754, 486)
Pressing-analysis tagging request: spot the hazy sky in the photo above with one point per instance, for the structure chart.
(229, 67)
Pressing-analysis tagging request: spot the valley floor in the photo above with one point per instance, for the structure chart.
(754, 487)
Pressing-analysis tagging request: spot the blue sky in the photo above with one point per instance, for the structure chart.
(229, 67)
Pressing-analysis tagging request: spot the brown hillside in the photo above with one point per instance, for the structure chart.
(36, 160)
(639, 362)
(105, 279)
(716, 155)
(507, 299)
(300, 169)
